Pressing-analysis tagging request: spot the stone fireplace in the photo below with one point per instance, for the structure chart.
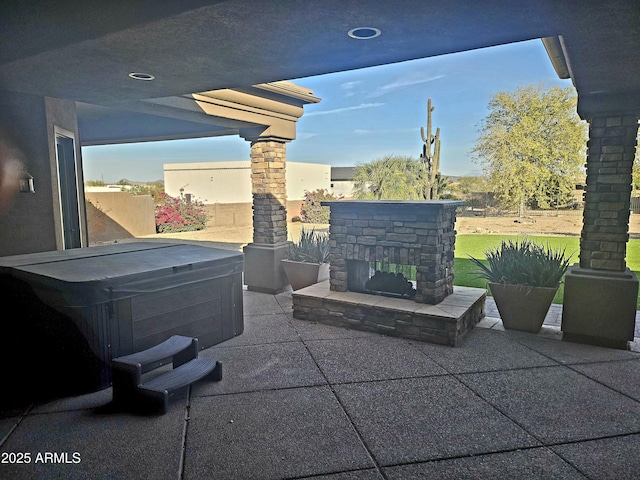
(392, 272)
(395, 242)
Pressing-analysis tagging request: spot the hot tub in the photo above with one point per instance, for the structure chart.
(77, 309)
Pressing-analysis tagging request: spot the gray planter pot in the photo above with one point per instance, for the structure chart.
(302, 274)
(522, 307)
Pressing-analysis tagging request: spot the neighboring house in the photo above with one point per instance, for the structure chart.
(230, 182)
(342, 181)
(209, 182)
(226, 187)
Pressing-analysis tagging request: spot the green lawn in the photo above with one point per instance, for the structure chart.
(476, 245)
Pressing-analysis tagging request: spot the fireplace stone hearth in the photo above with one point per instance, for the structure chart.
(410, 241)
(446, 323)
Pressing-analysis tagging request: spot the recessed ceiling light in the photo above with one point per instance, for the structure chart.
(364, 33)
(141, 76)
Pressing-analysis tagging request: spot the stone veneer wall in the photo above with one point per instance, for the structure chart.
(268, 164)
(612, 142)
(409, 233)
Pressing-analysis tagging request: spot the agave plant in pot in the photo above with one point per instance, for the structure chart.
(523, 277)
(306, 260)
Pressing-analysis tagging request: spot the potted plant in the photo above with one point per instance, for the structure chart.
(523, 277)
(306, 260)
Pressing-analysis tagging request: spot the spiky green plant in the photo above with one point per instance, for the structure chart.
(312, 247)
(523, 262)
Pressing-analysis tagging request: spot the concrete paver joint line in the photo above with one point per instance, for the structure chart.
(501, 411)
(605, 385)
(346, 414)
(185, 431)
(11, 430)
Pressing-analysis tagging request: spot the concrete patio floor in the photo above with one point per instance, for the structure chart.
(304, 400)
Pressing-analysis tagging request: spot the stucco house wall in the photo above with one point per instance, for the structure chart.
(230, 182)
(342, 181)
(342, 188)
(208, 182)
(32, 222)
(225, 187)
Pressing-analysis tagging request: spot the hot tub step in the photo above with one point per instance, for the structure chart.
(154, 394)
(178, 348)
(182, 352)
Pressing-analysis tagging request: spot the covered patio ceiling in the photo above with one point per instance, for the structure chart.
(85, 50)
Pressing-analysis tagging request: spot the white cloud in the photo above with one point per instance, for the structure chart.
(344, 109)
(303, 135)
(350, 87)
(408, 81)
(396, 131)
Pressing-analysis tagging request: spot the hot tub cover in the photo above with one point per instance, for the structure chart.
(99, 274)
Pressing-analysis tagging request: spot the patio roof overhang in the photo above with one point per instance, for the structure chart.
(85, 51)
(268, 109)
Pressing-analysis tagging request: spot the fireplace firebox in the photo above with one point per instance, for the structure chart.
(404, 241)
(380, 278)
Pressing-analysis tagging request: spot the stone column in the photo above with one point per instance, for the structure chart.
(605, 229)
(269, 189)
(601, 292)
(263, 271)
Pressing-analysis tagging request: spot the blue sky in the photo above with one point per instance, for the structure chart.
(365, 114)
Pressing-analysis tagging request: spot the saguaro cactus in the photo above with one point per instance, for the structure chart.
(431, 157)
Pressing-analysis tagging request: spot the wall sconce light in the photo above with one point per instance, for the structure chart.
(25, 183)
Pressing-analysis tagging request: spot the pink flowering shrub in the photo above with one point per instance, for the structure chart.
(178, 214)
(311, 211)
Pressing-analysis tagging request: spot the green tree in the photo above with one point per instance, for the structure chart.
(474, 190)
(472, 184)
(155, 189)
(389, 178)
(95, 183)
(532, 146)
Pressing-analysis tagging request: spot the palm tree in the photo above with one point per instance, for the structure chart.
(444, 184)
(389, 178)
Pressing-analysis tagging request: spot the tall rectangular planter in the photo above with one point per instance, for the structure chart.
(599, 307)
